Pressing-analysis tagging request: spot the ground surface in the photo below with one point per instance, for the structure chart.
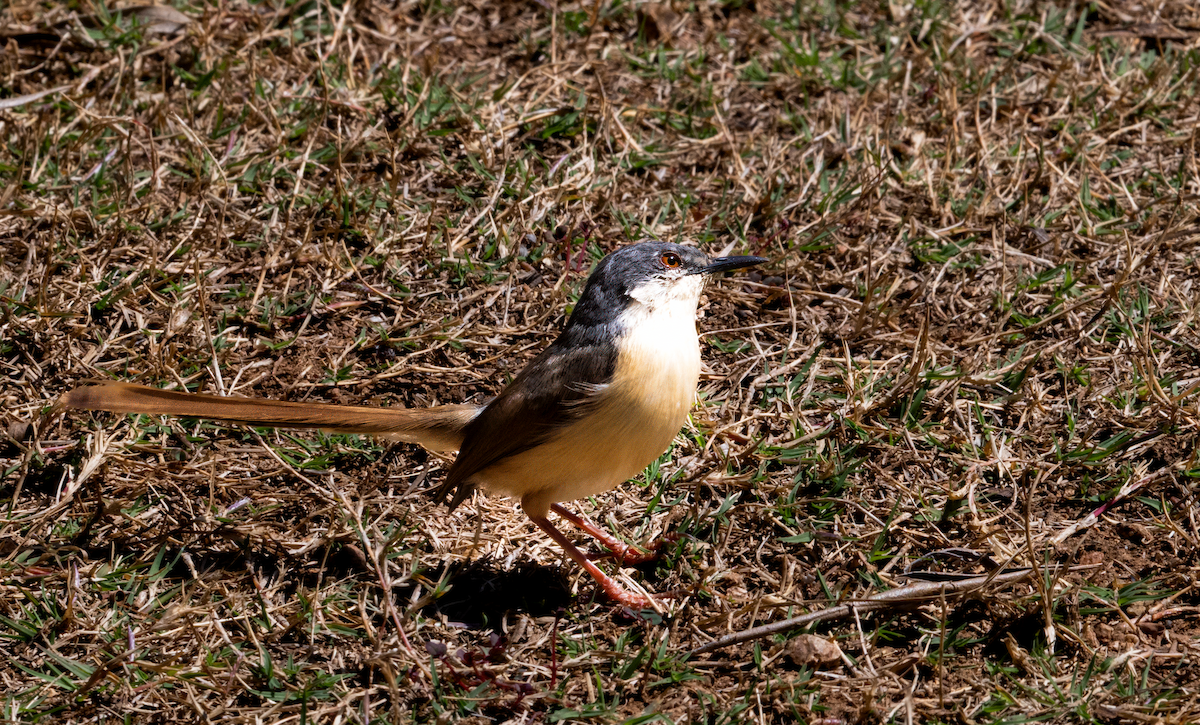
(979, 324)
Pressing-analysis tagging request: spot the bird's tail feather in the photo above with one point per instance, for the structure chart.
(439, 428)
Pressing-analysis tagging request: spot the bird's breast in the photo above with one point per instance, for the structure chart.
(658, 366)
(632, 420)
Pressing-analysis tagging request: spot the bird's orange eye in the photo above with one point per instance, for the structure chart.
(670, 260)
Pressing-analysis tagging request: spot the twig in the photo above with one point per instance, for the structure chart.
(1094, 516)
(911, 595)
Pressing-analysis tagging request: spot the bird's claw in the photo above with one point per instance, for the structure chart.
(627, 555)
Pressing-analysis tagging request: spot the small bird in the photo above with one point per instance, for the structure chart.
(590, 412)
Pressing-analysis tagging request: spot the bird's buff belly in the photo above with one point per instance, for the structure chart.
(612, 444)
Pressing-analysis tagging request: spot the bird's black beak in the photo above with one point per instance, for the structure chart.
(724, 264)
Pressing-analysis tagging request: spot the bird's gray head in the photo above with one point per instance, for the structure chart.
(653, 275)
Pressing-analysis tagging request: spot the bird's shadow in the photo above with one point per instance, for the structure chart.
(481, 593)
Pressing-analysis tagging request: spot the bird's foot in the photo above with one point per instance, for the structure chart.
(614, 591)
(627, 555)
(636, 601)
(625, 598)
(623, 553)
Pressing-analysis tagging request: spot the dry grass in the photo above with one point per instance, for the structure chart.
(981, 325)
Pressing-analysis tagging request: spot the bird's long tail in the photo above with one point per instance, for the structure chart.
(439, 428)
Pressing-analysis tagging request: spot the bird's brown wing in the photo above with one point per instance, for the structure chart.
(549, 393)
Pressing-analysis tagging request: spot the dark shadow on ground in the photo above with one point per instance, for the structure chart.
(481, 593)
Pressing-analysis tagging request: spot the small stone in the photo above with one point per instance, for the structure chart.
(19, 430)
(809, 649)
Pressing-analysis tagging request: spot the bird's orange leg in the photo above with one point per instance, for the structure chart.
(625, 554)
(612, 589)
